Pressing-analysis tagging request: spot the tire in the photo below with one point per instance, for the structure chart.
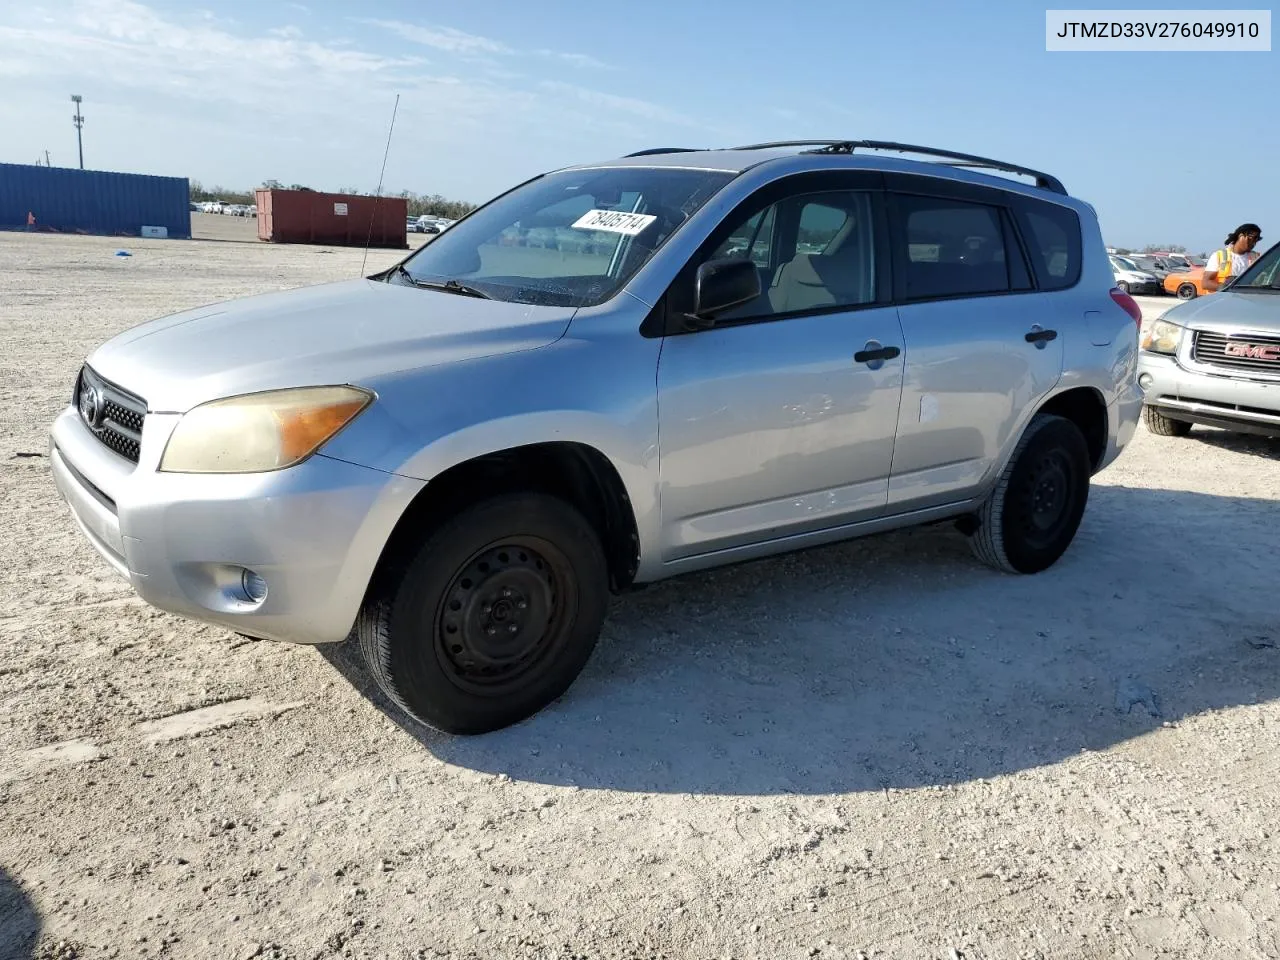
(1030, 518)
(1187, 291)
(1123, 285)
(526, 563)
(1163, 426)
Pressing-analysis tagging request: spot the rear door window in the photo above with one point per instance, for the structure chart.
(951, 248)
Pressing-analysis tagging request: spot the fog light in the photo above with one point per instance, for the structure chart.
(1144, 381)
(255, 588)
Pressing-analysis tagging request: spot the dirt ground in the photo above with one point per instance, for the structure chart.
(876, 749)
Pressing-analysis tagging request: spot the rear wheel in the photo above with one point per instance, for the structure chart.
(1031, 517)
(493, 619)
(1163, 426)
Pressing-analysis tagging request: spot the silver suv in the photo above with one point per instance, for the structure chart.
(609, 375)
(1215, 360)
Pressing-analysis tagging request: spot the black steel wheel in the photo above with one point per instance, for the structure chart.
(1031, 516)
(504, 616)
(494, 617)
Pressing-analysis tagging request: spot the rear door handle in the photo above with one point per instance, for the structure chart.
(1038, 336)
(875, 354)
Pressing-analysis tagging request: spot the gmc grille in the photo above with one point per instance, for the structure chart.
(111, 414)
(1237, 351)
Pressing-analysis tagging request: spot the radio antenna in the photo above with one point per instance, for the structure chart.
(378, 197)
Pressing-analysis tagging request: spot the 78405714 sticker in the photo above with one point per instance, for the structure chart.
(614, 221)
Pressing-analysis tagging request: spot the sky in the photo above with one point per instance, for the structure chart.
(1168, 147)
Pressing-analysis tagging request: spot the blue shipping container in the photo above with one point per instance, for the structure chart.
(93, 201)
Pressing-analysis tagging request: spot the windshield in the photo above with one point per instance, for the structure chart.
(1120, 263)
(569, 239)
(1263, 273)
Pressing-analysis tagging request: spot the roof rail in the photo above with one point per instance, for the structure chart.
(1043, 180)
(651, 151)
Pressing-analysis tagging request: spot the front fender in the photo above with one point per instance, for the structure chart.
(573, 392)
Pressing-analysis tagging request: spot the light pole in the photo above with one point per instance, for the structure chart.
(79, 120)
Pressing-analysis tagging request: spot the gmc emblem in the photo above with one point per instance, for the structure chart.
(1254, 351)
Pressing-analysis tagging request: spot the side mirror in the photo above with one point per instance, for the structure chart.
(722, 285)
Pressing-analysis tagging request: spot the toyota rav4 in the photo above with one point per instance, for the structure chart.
(609, 375)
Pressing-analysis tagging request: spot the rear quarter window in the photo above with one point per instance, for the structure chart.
(1053, 239)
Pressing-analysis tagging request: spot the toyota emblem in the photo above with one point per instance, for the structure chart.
(91, 406)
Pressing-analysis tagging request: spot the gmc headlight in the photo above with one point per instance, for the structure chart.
(1160, 336)
(259, 432)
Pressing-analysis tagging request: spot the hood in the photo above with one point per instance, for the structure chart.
(352, 331)
(1229, 312)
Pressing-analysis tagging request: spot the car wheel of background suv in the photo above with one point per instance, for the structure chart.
(1031, 517)
(1163, 426)
(493, 618)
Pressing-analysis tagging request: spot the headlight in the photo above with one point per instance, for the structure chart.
(260, 431)
(1160, 336)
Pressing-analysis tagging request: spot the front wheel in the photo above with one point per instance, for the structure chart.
(1187, 291)
(493, 618)
(1163, 426)
(1030, 518)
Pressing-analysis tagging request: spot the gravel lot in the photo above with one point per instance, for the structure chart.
(877, 749)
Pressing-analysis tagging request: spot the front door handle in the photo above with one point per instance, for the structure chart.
(875, 353)
(1039, 336)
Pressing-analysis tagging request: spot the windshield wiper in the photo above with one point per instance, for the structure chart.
(448, 286)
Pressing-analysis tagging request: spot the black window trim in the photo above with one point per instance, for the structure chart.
(663, 321)
(900, 186)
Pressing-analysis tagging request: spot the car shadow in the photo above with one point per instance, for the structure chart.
(19, 922)
(1247, 443)
(897, 661)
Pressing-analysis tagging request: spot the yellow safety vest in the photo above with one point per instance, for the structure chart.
(1224, 271)
(1227, 263)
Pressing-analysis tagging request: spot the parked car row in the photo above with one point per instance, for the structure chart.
(427, 224)
(1157, 273)
(228, 209)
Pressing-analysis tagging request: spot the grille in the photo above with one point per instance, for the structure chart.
(113, 415)
(1249, 353)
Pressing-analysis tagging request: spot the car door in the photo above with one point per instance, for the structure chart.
(981, 348)
(779, 419)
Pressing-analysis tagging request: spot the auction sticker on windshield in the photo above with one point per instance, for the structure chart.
(615, 221)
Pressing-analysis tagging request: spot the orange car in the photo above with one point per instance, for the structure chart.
(1186, 285)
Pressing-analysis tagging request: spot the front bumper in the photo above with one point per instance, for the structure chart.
(313, 532)
(1215, 399)
(1145, 287)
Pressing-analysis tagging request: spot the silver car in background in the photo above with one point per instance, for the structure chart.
(612, 374)
(1215, 360)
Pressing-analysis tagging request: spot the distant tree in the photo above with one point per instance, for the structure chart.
(1170, 247)
(272, 185)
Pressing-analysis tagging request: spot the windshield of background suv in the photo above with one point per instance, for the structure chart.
(570, 239)
(1263, 274)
